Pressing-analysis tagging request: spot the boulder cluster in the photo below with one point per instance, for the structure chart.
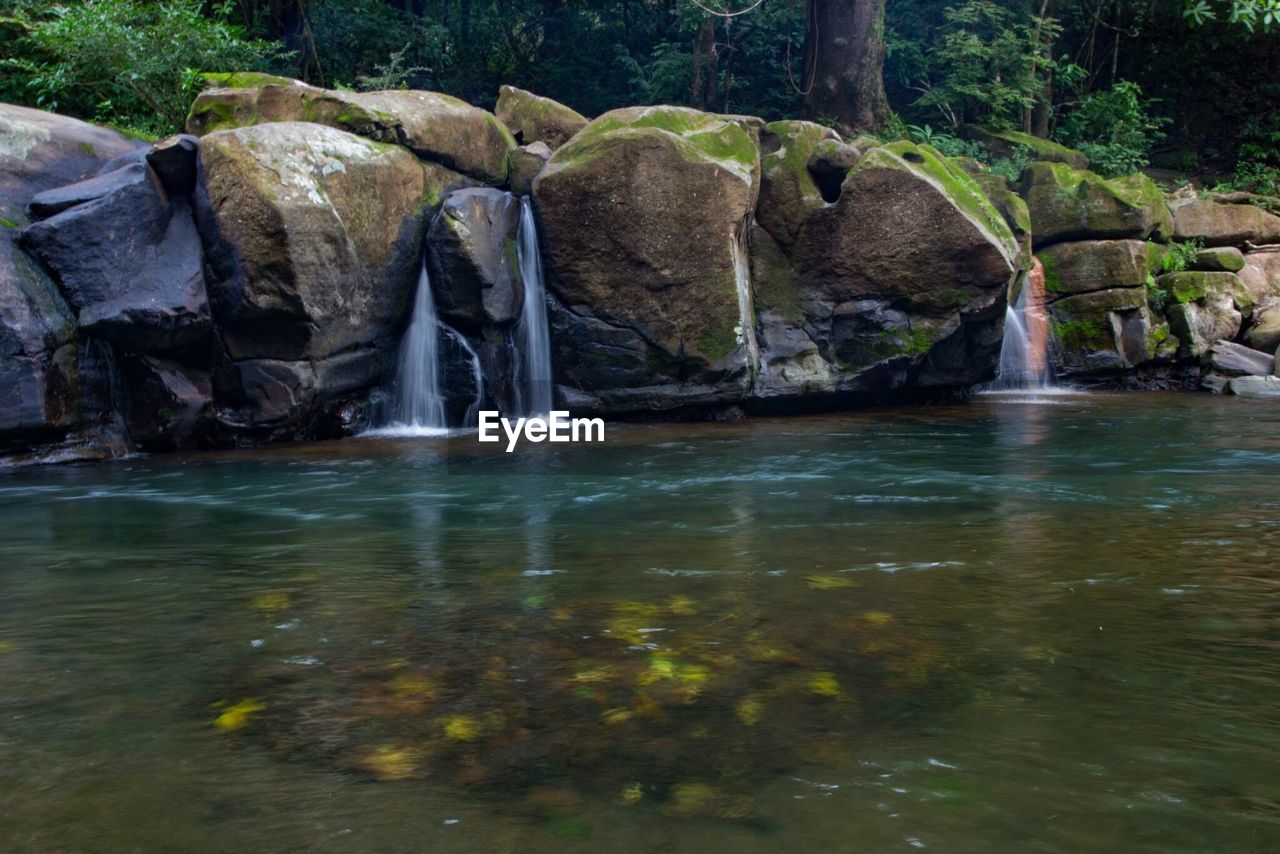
(249, 281)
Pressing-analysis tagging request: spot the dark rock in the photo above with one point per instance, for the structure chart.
(128, 262)
(52, 202)
(1102, 331)
(472, 243)
(173, 159)
(167, 405)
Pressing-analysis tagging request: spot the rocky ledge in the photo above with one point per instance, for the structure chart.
(249, 281)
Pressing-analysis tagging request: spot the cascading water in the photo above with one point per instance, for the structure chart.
(1025, 357)
(418, 402)
(533, 335)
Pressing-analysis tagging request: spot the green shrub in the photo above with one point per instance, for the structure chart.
(1178, 256)
(1011, 168)
(129, 63)
(1114, 128)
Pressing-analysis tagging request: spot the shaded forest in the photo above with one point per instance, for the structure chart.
(1187, 85)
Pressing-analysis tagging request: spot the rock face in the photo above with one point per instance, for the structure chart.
(1264, 334)
(474, 270)
(1097, 297)
(1225, 259)
(312, 240)
(533, 118)
(526, 162)
(45, 377)
(1223, 224)
(644, 216)
(128, 260)
(1072, 204)
(1227, 357)
(788, 191)
(433, 126)
(1204, 310)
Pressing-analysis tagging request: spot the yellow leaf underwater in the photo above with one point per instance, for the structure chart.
(461, 728)
(271, 601)
(828, 582)
(235, 717)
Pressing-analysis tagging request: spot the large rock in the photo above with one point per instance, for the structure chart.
(41, 386)
(313, 239)
(1231, 359)
(788, 191)
(1004, 143)
(1103, 331)
(1072, 204)
(433, 126)
(533, 118)
(1204, 309)
(127, 261)
(1255, 386)
(1219, 224)
(899, 280)
(644, 216)
(1225, 259)
(1096, 265)
(1264, 333)
(472, 247)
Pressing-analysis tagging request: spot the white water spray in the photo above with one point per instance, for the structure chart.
(1026, 362)
(418, 405)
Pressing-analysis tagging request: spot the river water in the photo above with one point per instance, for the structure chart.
(998, 626)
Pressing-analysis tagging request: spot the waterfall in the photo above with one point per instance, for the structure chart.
(746, 331)
(533, 336)
(418, 402)
(1025, 358)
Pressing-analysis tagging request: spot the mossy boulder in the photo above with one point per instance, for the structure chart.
(1074, 204)
(1205, 308)
(1102, 331)
(434, 126)
(1096, 265)
(1003, 143)
(1010, 205)
(532, 118)
(643, 216)
(1219, 258)
(788, 192)
(1218, 224)
(1264, 333)
(912, 226)
(898, 276)
(312, 240)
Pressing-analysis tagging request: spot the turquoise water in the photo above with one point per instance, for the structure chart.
(998, 626)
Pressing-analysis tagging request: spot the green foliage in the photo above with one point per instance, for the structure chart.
(1258, 158)
(1114, 128)
(125, 62)
(393, 74)
(1178, 256)
(1157, 297)
(1011, 168)
(1250, 14)
(951, 146)
(985, 67)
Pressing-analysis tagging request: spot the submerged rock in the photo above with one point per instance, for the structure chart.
(533, 118)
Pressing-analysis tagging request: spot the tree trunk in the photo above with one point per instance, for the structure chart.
(702, 94)
(844, 56)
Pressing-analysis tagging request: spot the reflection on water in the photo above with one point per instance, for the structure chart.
(990, 627)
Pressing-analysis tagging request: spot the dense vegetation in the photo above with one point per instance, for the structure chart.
(1186, 84)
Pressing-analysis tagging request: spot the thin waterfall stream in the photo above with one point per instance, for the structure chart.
(532, 334)
(1026, 359)
(417, 405)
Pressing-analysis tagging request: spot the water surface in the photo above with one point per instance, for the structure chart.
(1001, 626)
